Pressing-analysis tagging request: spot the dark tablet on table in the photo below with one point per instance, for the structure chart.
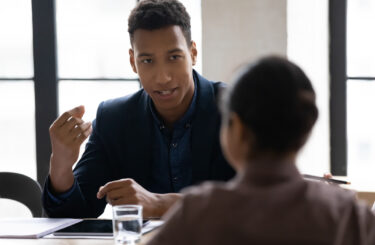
(90, 227)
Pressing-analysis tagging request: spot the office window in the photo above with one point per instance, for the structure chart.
(17, 127)
(71, 94)
(17, 120)
(307, 25)
(93, 46)
(361, 90)
(194, 8)
(16, 39)
(360, 38)
(92, 38)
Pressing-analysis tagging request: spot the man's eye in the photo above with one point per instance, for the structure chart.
(175, 57)
(146, 61)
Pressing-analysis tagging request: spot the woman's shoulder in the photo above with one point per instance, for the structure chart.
(334, 198)
(208, 195)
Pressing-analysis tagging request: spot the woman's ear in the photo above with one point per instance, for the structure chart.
(240, 131)
(238, 140)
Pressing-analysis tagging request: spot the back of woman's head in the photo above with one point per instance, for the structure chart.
(275, 100)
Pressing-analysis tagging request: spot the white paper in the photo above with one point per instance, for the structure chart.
(32, 227)
(52, 236)
(152, 225)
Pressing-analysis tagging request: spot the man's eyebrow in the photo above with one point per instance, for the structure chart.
(169, 52)
(175, 50)
(144, 54)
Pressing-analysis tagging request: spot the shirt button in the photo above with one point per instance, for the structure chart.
(161, 127)
(175, 179)
(187, 125)
(174, 145)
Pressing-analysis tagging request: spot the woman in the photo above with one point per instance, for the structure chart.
(268, 114)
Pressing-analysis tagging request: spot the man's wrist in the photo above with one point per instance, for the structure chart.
(164, 202)
(62, 183)
(62, 178)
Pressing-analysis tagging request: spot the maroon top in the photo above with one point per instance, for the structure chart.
(270, 203)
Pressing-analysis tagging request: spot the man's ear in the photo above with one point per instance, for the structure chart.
(193, 52)
(132, 60)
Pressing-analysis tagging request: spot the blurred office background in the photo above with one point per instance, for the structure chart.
(47, 68)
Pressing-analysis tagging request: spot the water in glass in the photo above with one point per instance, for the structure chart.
(128, 229)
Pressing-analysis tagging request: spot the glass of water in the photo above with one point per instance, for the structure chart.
(127, 224)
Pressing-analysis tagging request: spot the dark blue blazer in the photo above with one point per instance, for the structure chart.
(120, 147)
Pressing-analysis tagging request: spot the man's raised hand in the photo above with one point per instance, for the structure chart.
(67, 133)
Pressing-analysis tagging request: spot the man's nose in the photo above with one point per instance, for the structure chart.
(163, 75)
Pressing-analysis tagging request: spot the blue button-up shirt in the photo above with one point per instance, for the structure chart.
(171, 151)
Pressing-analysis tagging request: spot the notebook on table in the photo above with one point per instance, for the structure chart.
(32, 227)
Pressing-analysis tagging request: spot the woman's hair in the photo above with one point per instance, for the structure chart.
(276, 101)
(156, 14)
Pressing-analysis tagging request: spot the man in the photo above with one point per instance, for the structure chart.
(147, 146)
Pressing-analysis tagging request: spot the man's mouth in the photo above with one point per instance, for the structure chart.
(165, 92)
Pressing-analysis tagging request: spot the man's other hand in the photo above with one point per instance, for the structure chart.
(127, 191)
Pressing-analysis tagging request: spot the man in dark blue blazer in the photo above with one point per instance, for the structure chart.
(144, 148)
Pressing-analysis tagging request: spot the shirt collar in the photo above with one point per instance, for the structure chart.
(186, 119)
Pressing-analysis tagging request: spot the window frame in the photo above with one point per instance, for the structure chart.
(46, 79)
(338, 78)
(338, 86)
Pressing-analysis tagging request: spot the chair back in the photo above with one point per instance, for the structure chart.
(23, 189)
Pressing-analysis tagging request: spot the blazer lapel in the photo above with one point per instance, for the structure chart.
(204, 130)
(140, 149)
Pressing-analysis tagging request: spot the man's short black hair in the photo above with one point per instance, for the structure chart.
(156, 14)
(276, 101)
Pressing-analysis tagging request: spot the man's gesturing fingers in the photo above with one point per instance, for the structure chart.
(83, 135)
(75, 112)
(83, 130)
(71, 124)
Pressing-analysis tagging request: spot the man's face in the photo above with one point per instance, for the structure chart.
(163, 60)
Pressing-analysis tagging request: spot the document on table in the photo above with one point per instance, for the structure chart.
(152, 225)
(32, 227)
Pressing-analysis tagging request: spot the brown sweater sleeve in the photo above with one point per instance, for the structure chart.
(175, 230)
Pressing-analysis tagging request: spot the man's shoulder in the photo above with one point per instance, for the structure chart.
(126, 100)
(128, 103)
(122, 110)
(206, 85)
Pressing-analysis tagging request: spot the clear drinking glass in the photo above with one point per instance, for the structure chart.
(127, 224)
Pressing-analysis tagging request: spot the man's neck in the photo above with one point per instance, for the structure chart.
(171, 116)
